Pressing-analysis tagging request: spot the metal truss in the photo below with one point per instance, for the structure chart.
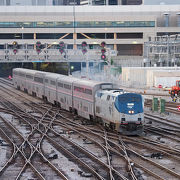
(162, 51)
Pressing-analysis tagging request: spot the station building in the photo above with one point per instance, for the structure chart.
(124, 25)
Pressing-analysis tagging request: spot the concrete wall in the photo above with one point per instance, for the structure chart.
(149, 77)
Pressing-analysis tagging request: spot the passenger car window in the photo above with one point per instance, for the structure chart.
(60, 84)
(53, 83)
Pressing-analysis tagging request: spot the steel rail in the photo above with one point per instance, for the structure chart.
(27, 160)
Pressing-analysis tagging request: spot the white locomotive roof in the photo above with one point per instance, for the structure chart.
(113, 92)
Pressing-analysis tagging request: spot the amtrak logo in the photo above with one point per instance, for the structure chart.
(130, 105)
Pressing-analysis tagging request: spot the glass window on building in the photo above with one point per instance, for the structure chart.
(113, 2)
(41, 2)
(34, 2)
(131, 2)
(160, 2)
(1, 2)
(8, 2)
(58, 2)
(18, 2)
(98, 2)
(103, 2)
(130, 49)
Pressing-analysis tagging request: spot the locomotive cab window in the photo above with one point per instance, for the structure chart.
(99, 94)
(136, 99)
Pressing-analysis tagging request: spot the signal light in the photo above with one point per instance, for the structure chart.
(15, 51)
(15, 43)
(103, 57)
(178, 108)
(84, 45)
(103, 51)
(15, 47)
(103, 44)
(38, 47)
(61, 51)
(84, 51)
(61, 44)
(61, 47)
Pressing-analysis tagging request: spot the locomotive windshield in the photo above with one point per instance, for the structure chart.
(129, 103)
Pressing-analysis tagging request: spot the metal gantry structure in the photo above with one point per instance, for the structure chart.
(38, 52)
(162, 51)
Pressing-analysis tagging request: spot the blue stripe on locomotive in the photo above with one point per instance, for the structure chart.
(129, 102)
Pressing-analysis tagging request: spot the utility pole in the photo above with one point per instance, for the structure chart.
(87, 65)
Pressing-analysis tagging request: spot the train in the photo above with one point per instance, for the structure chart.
(96, 101)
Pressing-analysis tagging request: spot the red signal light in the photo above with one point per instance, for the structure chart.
(103, 51)
(84, 51)
(14, 51)
(61, 44)
(84, 44)
(38, 44)
(103, 44)
(38, 47)
(61, 47)
(61, 50)
(10, 77)
(103, 56)
(38, 50)
(178, 108)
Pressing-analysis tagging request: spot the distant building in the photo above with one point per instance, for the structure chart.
(68, 2)
(160, 2)
(123, 28)
(131, 2)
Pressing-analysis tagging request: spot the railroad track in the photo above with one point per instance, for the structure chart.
(60, 130)
(26, 149)
(7, 82)
(171, 107)
(103, 167)
(160, 168)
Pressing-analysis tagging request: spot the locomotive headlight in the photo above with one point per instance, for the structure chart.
(131, 112)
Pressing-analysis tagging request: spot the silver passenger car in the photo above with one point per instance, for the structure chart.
(38, 88)
(65, 92)
(50, 87)
(84, 96)
(23, 79)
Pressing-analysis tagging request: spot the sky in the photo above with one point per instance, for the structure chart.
(151, 2)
